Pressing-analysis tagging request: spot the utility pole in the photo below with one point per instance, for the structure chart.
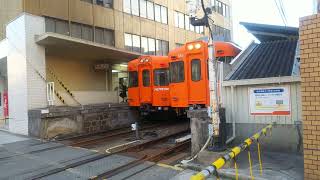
(213, 110)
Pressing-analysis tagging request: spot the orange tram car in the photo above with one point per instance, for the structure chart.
(175, 82)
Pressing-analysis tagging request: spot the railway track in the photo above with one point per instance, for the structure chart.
(153, 151)
(94, 139)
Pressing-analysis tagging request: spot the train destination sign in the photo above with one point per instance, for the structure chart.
(270, 101)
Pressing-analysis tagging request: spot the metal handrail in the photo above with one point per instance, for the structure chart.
(234, 152)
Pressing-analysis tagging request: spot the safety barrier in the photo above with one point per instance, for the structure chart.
(232, 154)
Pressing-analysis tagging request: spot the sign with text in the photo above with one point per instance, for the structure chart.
(5, 104)
(270, 101)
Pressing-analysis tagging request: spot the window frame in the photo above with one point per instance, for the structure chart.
(164, 18)
(137, 11)
(198, 73)
(144, 80)
(136, 82)
(157, 7)
(155, 83)
(149, 17)
(180, 79)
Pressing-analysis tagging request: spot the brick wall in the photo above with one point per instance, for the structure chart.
(310, 91)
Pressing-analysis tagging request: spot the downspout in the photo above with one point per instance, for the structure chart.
(232, 117)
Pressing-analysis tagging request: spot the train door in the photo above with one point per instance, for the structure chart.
(197, 80)
(145, 84)
(133, 89)
(178, 84)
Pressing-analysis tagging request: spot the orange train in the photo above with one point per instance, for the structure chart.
(174, 82)
(149, 83)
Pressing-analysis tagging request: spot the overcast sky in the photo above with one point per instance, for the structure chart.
(266, 12)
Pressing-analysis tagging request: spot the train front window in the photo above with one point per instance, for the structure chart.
(146, 78)
(133, 79)
(161, 77)
(196, 70)
(177, 72)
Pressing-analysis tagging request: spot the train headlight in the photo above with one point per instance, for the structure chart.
(147, 60)
(197, 46)
(190, 47)
(141, 60)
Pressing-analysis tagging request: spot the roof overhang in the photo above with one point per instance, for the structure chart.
(265, 32)
(258, 81)
(70, 47)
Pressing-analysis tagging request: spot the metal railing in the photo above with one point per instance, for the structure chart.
(232, 154)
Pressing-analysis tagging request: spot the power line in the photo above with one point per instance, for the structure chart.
(281, 12)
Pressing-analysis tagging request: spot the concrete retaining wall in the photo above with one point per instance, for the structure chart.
(67, 121)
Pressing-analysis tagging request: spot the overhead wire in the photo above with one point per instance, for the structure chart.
(281, 12)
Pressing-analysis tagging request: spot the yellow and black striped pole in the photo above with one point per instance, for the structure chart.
(219, 163)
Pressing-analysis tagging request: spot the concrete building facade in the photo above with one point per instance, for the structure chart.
(74, 52)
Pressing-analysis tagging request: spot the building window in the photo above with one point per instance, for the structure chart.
(179, 19)
(104, 3)
(86, 32)
(76, 30)
(144, 45)
(161, 77)
(132, 42)
(136, 43)
(143, 8)
(162, 47)
(128, 41)
(127, 6)
(164, 15)
(187, 22)
(150, 10)
(104, 36)
(221, 8)
(152, 46)
(146, 78)
(157, 12)
(57, 26)
(177, 72)
(221, 33)
(196, 70)
(133, 79)
(183, 21)
(135, 7)
(165, 48)
(146, 9)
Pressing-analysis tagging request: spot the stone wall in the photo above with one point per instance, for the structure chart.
(69, 121)
(310, 89)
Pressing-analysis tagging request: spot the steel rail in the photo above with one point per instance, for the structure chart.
(90, 141)
(154, 158)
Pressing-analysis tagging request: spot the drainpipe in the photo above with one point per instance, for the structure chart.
(233, 117)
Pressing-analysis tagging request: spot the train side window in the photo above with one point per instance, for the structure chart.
(161, 77)
(195, 70)
(177, 72)
(133, 79)
(146, 78)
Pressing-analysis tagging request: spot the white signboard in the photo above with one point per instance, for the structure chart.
(270, 101)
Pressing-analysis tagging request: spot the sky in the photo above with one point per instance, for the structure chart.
(266, 12)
